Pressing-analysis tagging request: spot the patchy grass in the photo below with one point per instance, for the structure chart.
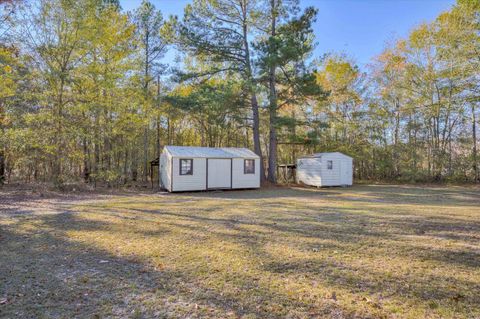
(360, 252)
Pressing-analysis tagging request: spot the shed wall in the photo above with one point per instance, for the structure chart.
(241, 180)
(314, 171)
(308, 171)
(347, 172)
(165, 169)
(219, 173)
(331, 177)
(172, 181)
(196, 181)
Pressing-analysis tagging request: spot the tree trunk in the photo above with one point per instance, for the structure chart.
(253, 95)
(169, 139)
(86, 169)
(145, 88)
(272, 159)
(134, 164)
(256, 134)
(58, 157)
(125, 166)
(474, 148)
(145, 153)
(2, 166)
(294, 135)
(2, 148)
(96, 150)
(396, 157)
(158, 147)
(107, 149)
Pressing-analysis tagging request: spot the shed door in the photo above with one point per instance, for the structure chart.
(219, 173)
(346, 172)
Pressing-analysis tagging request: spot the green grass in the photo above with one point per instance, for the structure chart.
(360, 252)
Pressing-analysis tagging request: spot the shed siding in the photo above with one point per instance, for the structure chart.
(331, 177)
(219, 173)
(241, 180)
(172, 181)
(165, 170)
(347, 171)
(308, 171)
(196, 181)
(314, 171)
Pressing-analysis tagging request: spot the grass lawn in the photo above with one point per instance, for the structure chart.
(360, 252)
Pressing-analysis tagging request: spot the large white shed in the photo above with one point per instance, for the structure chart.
(325, 169)
(187, 168)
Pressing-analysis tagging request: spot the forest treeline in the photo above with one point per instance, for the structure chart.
(86, 94)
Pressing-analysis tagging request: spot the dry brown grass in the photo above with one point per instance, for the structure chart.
(360, 252)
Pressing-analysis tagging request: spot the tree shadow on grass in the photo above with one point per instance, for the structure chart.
(355, 229)
(388, 194)
(45, 273)
(429, 289)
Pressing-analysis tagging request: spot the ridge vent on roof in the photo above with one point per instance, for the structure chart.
(211, 152)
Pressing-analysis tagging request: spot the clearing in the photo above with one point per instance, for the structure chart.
(361, 252)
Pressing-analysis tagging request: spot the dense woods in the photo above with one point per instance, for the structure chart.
(86, 94)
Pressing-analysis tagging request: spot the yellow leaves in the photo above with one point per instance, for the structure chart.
(183, 90)
(422, 37)
(392, 60)
(8, 61)
(7, 69)
(338, 72)
(339, 76)
(7, 84)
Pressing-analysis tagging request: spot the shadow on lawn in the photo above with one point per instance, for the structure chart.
(44, 273)
(441, 289)
(395, 194)
(322, 224)
(446, 289)
(356, 227)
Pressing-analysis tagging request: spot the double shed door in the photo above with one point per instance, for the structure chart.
(219, 173)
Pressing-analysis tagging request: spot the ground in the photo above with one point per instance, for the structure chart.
(368, 251)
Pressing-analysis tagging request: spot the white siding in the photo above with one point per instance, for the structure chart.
(197, 181)
(165, 170)
(331, 177)
(314, 171)
(219, 173)
(170, 168)
(309, 171)
(347, 172)
(241, 180)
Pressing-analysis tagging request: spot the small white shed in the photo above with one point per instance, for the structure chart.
(187, 168)
(325, 169)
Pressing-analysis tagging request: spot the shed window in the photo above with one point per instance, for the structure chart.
(186, 166)
(249, 166)
(329, 164)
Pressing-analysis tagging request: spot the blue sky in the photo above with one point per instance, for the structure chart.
(359, 28)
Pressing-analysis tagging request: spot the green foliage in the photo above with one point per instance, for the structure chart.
(216, 108)
(84, 95)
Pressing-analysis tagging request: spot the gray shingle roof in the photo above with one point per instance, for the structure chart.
(210, 152)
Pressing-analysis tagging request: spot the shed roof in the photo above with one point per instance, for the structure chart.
(324, 154)
(210, 152)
